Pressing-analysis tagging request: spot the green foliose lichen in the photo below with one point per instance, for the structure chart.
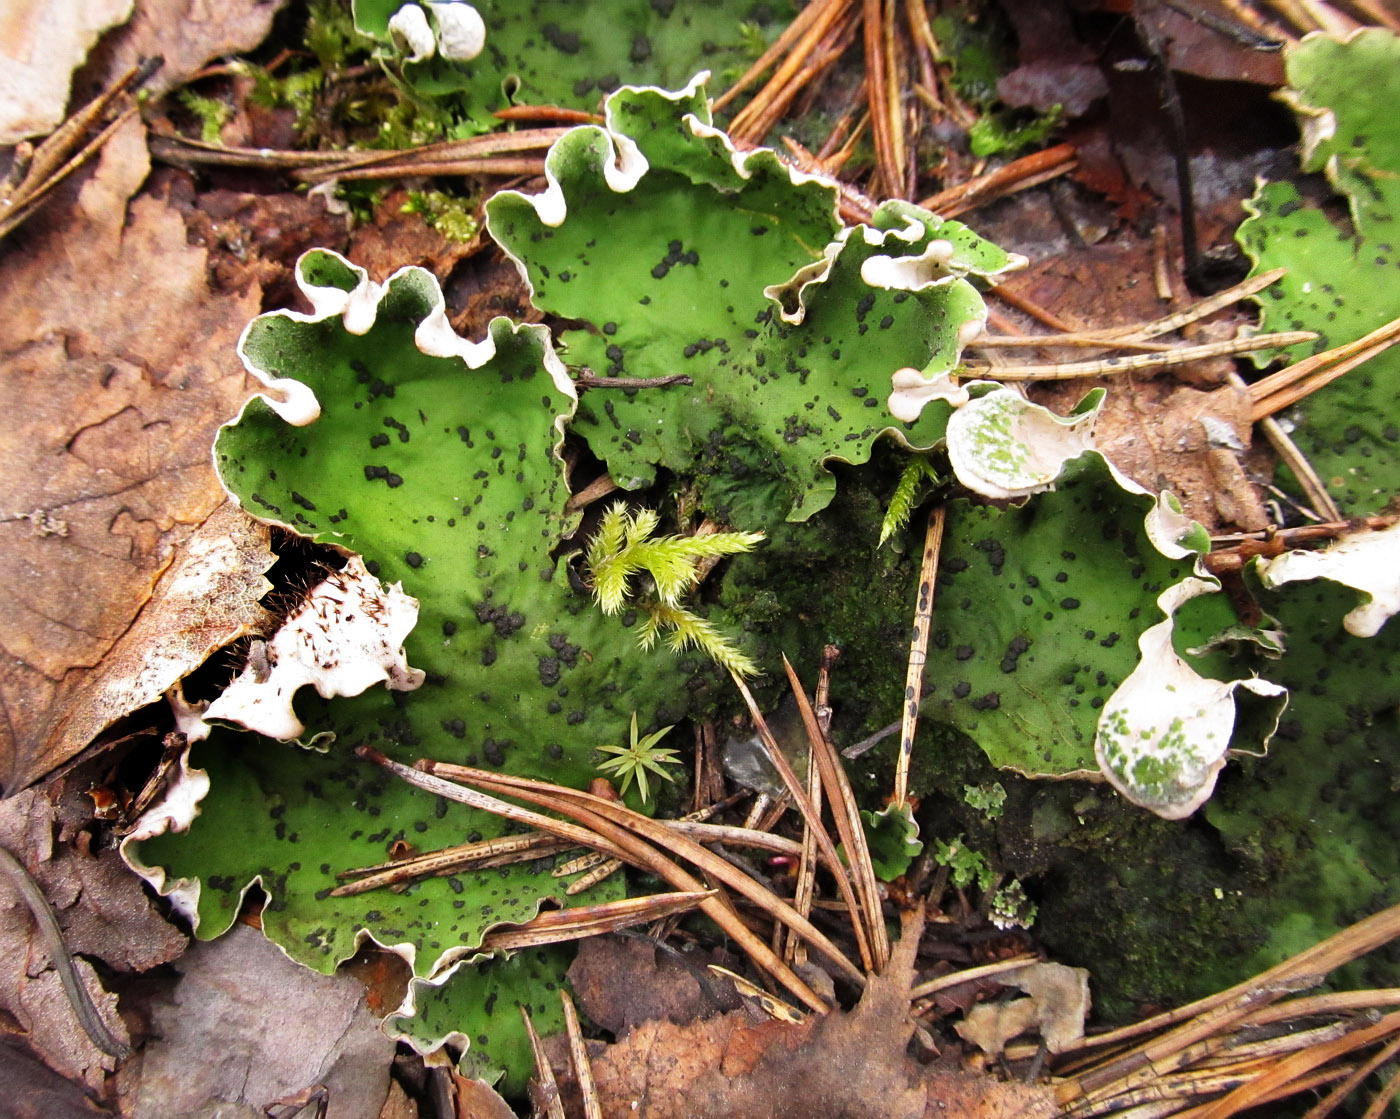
(560, 52)
(1340, 282)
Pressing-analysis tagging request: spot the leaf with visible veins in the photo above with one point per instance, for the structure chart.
(107, 465)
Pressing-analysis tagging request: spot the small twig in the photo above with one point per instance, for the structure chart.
(544, 1072)
(813, 820)
(1288, 386)
(918, 652)
(600, 487)
(856, 750)
(47, 925)
(590, 380)
(1020, 174)
(1180, 355)
(1237, 549)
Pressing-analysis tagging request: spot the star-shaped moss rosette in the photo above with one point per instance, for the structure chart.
(1341, 282)
(434, 459)
(680, 254)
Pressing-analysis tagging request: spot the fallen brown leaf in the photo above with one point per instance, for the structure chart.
(849, 1064)
(126, 366)
(41, 43)
(245, 1025)
(104, 914)
(622, 982)
(185, 33)
(1165, 435)
(35, 1091)
(395, 239)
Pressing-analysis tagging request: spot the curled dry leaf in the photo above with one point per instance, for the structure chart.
(1057, 1007)
(41, 43)
(103, 913)
(108, 469)
(187, 34)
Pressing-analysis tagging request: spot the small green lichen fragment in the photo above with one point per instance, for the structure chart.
(892, 835)
(1164, 734)
(477, 1008)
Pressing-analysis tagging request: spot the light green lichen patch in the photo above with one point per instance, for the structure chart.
(681, 255)
(561, 52)
(478, 1010)
(1038, 613)
(1164, 734)
(1003, 446)
(1341, 283)
(434, 460)
(892, 835)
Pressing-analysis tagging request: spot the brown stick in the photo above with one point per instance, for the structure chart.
(1019, 174)
(918, 653)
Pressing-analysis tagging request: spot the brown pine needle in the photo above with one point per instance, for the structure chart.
(1304, 969)
(1129, 363)
(1334, 1098)
(846, 813)
(1288, 386)
(578, 1053)
(813, 821)
(781, 46)
(554, 926)
(546, 1086)
(918, 653)
(450, 860)
(1139, 333)
(629, 835)
(1020, 174)
(745, 125)
(955, 978)
(1287, 1069)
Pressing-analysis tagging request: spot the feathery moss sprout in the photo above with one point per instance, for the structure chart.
(907, 493)
(635, 759)
(624, 546)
